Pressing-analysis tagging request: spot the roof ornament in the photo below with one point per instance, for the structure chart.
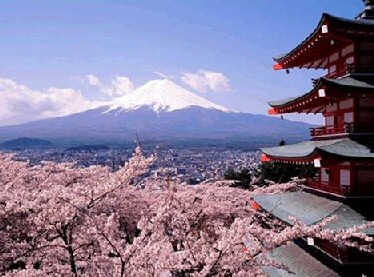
(368, 13)
(368, 2)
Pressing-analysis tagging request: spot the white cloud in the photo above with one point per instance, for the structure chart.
(121, 85)
(19, 103)
(204, 80)
(164, 76)
(93, 80)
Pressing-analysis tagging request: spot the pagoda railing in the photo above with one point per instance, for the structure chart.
(333, 187)
(327, 187)
(335, 74)
(332, 130)
(350, 68)
(355, 68)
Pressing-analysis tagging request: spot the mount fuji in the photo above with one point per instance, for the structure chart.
(162, 96)
(160, 110)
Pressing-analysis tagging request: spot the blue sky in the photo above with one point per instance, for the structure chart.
(48, 48)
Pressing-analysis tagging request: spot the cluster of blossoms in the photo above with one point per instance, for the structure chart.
(59, 220)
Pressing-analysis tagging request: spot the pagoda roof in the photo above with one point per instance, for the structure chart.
(359, 81)
(315, 49)
(299, 262)
(345, 147)
(310, 209)
(353, 82)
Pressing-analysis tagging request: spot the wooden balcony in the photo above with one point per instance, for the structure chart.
(350, 68)
(329, 130)
(359, 190)
(327, 187)
(355, 68)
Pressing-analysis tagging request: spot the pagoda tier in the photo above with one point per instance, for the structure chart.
(345, 165)
(312, 209)
(347, 104)
(324, 92)
(337, 44)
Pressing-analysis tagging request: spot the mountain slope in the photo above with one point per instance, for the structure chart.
(160, 110)
(195, 122)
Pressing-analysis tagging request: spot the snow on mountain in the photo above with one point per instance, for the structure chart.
(181, 115)
(162, 95)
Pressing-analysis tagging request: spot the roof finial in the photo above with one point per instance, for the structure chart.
(368, 13)
(368, 2)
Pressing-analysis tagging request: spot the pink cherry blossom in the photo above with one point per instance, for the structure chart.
(60, 220)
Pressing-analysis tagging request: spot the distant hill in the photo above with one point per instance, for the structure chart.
(25, 143)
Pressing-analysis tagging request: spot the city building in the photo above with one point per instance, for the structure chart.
(342, 149)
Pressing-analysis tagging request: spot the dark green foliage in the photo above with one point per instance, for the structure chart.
(273, 171)
(282, 173)
(25, 143)
(193, 181)
(243, 177)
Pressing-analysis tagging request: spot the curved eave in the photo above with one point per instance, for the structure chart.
(301, 152)
(321, 94)
(310, 209)
(265, 158)
(310, 102)
(308, 151)
(280, 58)
(308, 159)
(328, 27)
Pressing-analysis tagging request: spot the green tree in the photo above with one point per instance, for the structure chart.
(282, 173)
(242, 177)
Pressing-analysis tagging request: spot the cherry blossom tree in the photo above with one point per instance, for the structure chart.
(62, 220)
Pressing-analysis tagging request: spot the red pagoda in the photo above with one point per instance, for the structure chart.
(342, 149)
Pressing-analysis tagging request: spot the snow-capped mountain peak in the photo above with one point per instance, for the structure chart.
(162, 95)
